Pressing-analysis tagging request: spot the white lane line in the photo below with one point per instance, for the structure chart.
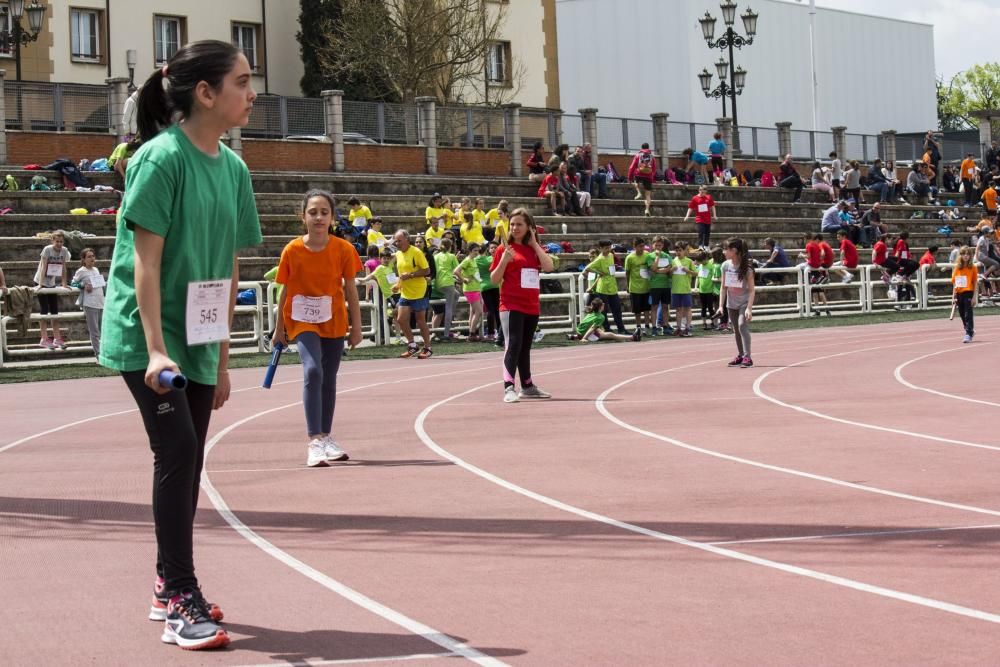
(877, 533)
(413, 626)
(850, 422)
(898, 374)
(836, 580)
(355, 661)
(63, 427)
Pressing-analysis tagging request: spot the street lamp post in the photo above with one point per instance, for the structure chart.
(17, 36)
(729, 40)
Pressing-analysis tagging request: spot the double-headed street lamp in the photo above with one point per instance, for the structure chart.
(729, 40)
(16, 36)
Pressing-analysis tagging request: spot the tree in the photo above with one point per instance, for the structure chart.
(975, 89)
(418, 47)
(315, 19)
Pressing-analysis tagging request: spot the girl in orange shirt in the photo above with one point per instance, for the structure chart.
(963, 279)
(317, 270)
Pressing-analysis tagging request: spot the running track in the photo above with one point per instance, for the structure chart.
(836, 504)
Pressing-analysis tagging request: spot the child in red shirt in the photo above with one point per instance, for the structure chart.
(816, 258)
(848, 257)
(928, 257)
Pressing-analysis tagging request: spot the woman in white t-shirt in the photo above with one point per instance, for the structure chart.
(737, 295)
(91, 295)
(820, 181)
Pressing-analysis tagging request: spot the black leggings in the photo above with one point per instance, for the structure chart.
(709, 304)
(965, 311)
(518, 332)
(176, 424)
(491, 304)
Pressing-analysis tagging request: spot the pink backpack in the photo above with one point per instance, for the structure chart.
(767, 180)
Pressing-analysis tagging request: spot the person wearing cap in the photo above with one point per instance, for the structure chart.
(968, 174)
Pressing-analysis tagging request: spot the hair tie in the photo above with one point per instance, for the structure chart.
(163, 71)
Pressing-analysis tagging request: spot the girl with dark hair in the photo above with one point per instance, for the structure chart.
(736, 297)
(536, 163)
(188, 208)
(516, 266)
(317, 306)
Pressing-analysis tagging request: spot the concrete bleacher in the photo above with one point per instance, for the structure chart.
(753, 213)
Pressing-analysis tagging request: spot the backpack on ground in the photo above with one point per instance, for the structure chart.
(613, 175)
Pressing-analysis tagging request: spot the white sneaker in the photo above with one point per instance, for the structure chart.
(532, 391)
(333, 450)
(317, 453)
(510, 395)
(848, 278)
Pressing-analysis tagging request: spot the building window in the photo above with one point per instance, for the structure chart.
(246, 37)
(498, 64)
(5, 50)
(85, 37)
(168, 35)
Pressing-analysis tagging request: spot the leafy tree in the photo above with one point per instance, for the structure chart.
(975, 89)
(315, 20)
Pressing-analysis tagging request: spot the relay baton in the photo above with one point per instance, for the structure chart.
(168, 378)
(273, 366)
(954, 304)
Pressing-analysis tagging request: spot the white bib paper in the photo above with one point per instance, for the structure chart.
(703, 272)
(593, 338)
(530, 279)
(961, 282)
(644, 273)
(435, 241)
(97, 280)
(703, 208)
(391, 278)
(380, 243)
(312, 309)
(663, 262)
(53, 270)
(360, 221)
(207, 313)
(680, 270)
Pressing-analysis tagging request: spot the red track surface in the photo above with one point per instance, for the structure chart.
(662, 509)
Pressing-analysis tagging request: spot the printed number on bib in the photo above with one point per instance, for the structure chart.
(663, 262)
(530, 279)
(961, 282)
(391, 278)
(53, 270)
(703, 208)
(207, 312)
(644, 274)
(312, 309)
(97, 281)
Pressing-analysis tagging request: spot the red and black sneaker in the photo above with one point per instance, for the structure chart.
(161, 598)
(189, 625)
(738, 361)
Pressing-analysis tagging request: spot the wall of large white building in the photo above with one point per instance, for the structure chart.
(630, 58)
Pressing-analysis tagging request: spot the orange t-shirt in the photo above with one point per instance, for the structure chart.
(990, 199)
(318, 280)
(964, 280)
(968, 169)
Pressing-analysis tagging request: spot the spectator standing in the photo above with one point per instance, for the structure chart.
(851, 183)
(964, 293)
(91, 295)
(788, 177)
(641, 172)
(607, 284)
(637, 277)
(412, 268)
(598, 178)
(703, 207)
(968, 169)
(52, 269)
(836, 173)
(932, 154)
(993, 155)
(717, 150)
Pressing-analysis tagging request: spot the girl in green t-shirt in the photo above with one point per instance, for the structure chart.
(591, 327)
(445, 264)
(188, 209)
(468, 275)
(706, 295)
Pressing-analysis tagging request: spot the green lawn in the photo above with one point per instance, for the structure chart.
(90, 369)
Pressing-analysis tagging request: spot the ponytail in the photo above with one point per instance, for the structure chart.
(169, 91)
(743, 256)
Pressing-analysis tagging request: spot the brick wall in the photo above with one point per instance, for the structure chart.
(373, 159)
(276, 155)
(45, 147)
(473, 161)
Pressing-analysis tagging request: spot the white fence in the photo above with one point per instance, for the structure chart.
(866, 293)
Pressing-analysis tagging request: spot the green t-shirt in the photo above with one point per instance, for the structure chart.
(445, 263)
(589, 320)
(469, 269)
(705, 277)
(604, 266)
(680, 283)
(658, 280)
(204, 209)
(381, 274)
(637, 273)
(716, 278)
(484, 262)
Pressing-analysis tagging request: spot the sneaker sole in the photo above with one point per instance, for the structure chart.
(316, 464)
(511, 400)
(534, 398)
(219, 640)
(342, 457)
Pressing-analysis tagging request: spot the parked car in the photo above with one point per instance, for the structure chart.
(349, 138)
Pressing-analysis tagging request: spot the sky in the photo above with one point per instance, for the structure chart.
(958, 44)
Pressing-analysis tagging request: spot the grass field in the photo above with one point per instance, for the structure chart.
(88, 369)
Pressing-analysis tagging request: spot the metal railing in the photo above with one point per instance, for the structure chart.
(57, 107)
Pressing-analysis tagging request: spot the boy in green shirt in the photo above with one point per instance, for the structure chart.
(658, 262)
(607, 284)
(706, 296)
(470, 275)
(680, 287)
(385, 277)
(445, 264)
(637, 274)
